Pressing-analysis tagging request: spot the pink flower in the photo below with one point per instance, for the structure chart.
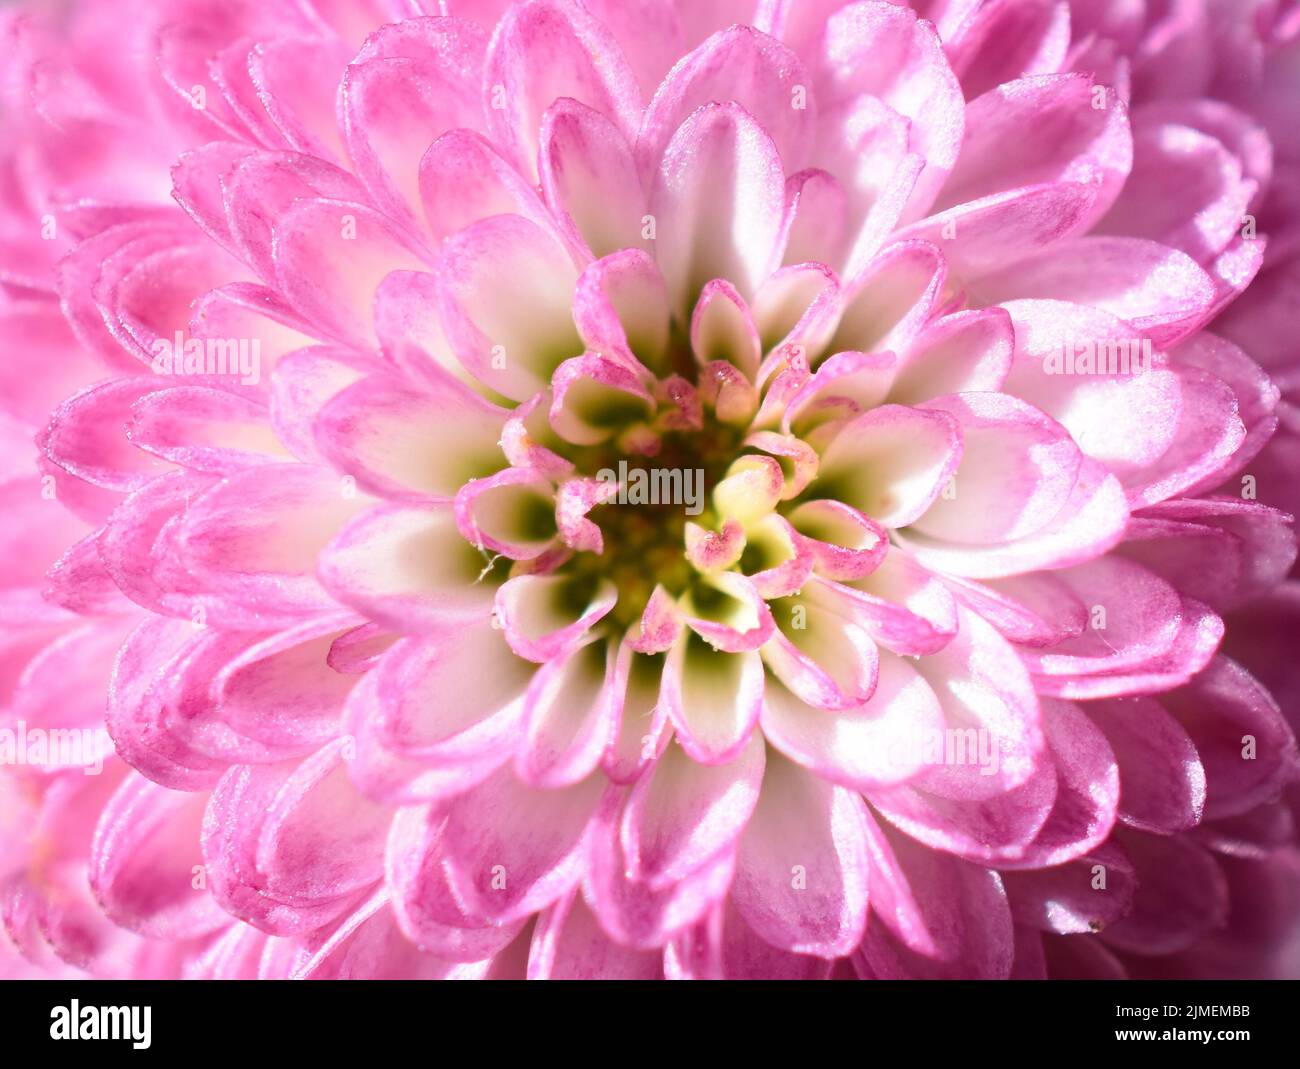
(592, 490)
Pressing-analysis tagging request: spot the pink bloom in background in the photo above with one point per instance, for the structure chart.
(606, 489)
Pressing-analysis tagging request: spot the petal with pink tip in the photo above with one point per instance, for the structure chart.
(264, 185)
(901, 604)
(723, 329)
(236, 814)
(845, 385)
(144, 858)
(797, 305)
(1042, 129)
(593, 398)
(1245, 745)
(1181, 895)
(391, 110)
(727, 610)
(721, 216)
(1090, 522)
(801, 870)
(392, 776)
(892, 463)
(571, 712)
(933, 916)
(886, 51)
(1069, 898)
(1162, 780)
(463, 178)
(829, 662)
(1087, 790)
(543, 50)
(204, 429)
(547, 616)
(197, 185)
(738, 64)
(410, 444)
(296, 81)
(681, 814)
(569, 944)
(512, 849)
(641, 733)
(87, 438)
(817, 206)
(451, 697)
(1186, 190)
(409, 568)
(255, 536)
(620, 304)
(284, 692)
(510, 513)
(886, 304)
(330, 256)
(1018, 468)
(713, 698)
(1163, 292)
(985, 235)
(513, 346)
(303, 385)
(878, 743)
(1092, 371)
(589, 178)
(1218, 550)
(632, 912)
(423, 904)
(961, 353)
(244, 315)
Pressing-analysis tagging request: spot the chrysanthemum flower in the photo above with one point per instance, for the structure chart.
(632, 490)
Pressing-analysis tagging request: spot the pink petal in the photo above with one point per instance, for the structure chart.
(330, 257)
(569, 944)
(747, 67)
(589, 178)
(1042, 129)
(680, 814)
(713, 698)
(801, 871)
(410, 444)
(512, 346)
(408, 568)
(721, 216)
(876, 744)
(512, 849)
(145, 862)
(933, 916)
(571, 712)
(892, 462)
(544, 50)
(1162, 780)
